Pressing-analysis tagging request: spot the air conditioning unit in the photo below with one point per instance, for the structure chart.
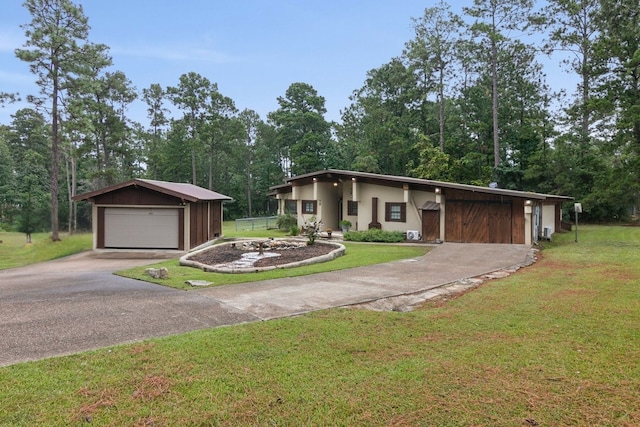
(546, 233)
(413, 235)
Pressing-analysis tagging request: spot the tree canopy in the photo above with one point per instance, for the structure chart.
(466, 100)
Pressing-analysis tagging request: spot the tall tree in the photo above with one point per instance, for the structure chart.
(154, 97)
(7, 180)
(302, 129)
(251, 126)
(495, 19)
(620, 46)
(382, 121)
(56, 49)
(431, 55)
(8, 98)
(574, 29)
(221, 130)
(192, 97)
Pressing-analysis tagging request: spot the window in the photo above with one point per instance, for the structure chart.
(352, 208)
(396, 212)
(309, 206)
(291, 206)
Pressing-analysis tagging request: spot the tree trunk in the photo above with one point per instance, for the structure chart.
(194, 180)
(68, 176)
(249, 207)
(441, 95)
(211, 169)
(494, 94)
(55, 234)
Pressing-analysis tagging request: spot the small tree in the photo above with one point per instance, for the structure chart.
(32, 199)
(312, 228)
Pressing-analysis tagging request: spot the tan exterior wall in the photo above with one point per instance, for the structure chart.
(548, 218)
(328, 210)
(413, 199)
(328, 197)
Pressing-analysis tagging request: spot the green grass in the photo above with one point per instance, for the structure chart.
(356, 255)
(229, 230)
(15, 252)
(555, 344)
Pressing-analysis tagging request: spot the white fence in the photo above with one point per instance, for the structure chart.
(256, 223)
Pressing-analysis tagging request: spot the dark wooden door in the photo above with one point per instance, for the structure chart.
(453, 222)
(500, 223)
(430, 225)
(478, 221)
(475, 223)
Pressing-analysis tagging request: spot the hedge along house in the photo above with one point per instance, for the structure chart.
(148, 214)
(426, 210)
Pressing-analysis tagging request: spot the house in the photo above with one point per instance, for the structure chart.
(427, 210)
(148, 214)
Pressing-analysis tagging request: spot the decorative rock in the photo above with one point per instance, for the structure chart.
(198, 283)
(157, 273)
(500, 274)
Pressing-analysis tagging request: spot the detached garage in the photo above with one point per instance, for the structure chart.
(149, 214)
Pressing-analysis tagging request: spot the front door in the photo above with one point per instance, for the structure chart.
(430, 225)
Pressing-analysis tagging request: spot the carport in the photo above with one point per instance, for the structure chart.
(150, 214)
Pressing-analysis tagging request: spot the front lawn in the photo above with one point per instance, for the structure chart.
(555, 344)
(15, 252)
(356, 255)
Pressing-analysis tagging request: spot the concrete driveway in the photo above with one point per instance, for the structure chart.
(77, 304)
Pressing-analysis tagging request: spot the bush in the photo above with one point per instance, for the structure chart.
(295, 230)
(285, 222)
(374, 235)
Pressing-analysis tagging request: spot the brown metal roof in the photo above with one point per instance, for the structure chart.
(430, 206)
(188, 192)
(337, 174)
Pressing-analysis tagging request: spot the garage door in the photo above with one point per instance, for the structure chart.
(478, 221)
(141, 228)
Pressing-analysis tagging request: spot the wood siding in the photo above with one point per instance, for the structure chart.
(136, 196)
(483, 218)
(199, 224)
(205, 222)
(216, 219)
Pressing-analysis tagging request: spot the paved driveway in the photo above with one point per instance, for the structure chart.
(76, 304)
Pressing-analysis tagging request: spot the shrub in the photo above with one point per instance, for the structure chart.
(286, 222)
(374, 235)
(294, 230)
(345, 224)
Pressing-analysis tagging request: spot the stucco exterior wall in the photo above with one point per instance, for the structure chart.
(548, 218)
(413, 199)
(328, 210)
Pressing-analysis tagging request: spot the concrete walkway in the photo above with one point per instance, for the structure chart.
(76, 304)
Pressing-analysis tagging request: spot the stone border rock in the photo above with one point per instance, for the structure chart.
(185, 261)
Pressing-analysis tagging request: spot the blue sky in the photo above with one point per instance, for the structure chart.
(253, 49)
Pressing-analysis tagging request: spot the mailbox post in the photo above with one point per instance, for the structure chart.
(578, 208)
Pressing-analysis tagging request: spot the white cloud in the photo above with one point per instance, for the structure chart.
(16, 78)
(176, 53)
(11, 40)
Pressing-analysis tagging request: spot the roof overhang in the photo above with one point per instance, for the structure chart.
(187, 192)
(337, 175)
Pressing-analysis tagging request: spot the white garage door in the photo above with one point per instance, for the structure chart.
(144, 228)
